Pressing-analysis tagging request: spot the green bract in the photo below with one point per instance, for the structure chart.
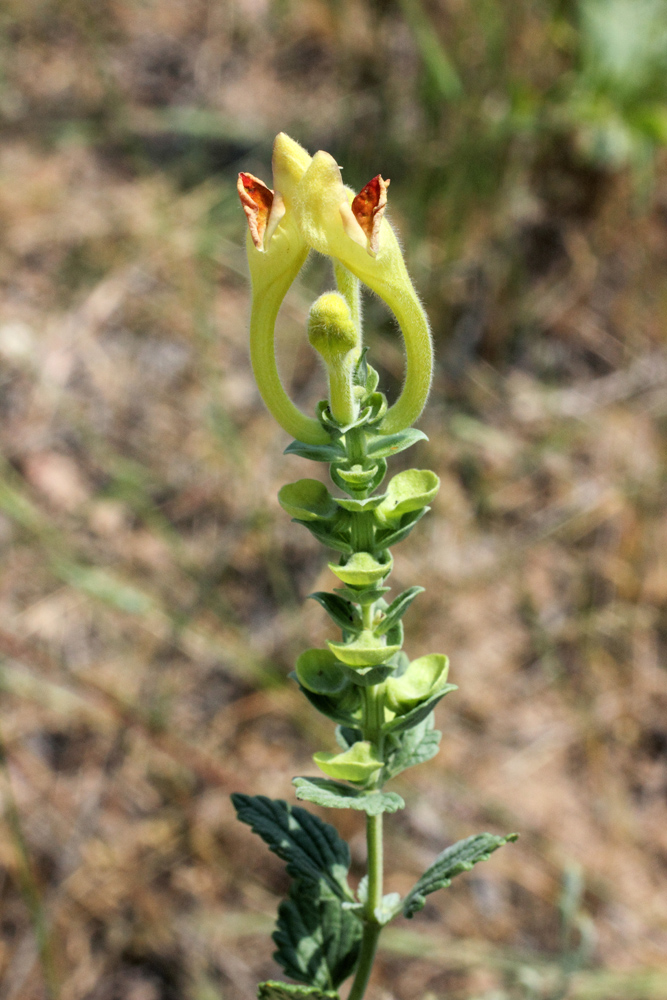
(361, 570)
(308, 500)
(364, 651)
(357, 764)
(407, 492)
(363, 681)
(423, 679)
(319, 671)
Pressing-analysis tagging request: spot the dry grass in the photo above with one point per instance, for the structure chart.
(151, 593)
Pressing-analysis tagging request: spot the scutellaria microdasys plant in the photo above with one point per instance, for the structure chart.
(381, 701)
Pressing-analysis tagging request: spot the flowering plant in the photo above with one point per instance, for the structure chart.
(381, 701)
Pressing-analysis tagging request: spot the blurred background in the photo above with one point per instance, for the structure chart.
(152, 591)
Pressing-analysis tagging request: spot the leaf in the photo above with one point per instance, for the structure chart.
(414, 746)
(334, 795)
(389, 908)
(424, 678)
(345, 711)
(460, 857)
(360, 506)
(385, 539)
(317, 939)
(319, 671)
(312, 849)
(395, 635)
(368, 676)
(411, 718)
(385, 445)
(359, 763)
(347, 736)
(407, 492)
(397, 609)
(362, 570)
(340, 610)
(316, 452)
(329, 534)
(362, 595)
(308, 500)
(364, 651)
(356, 479)
(273, 990)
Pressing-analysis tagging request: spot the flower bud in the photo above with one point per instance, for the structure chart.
(334, 335)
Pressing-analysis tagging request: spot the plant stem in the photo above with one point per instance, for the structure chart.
(372, 928)
(362, 540)
(373, 717)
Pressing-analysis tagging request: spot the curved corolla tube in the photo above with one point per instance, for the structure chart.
(323, 215)
(270, 285)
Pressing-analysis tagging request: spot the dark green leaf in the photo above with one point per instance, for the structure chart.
(328, 535)
(360, 374)
(385, 445)
(312, 849)
(334, 795)
(414, 746)
(344, 711)
(395, 634)
(317, 939)
(362, 595)
(361, 506)
(340, 610)
(272, 990)
(356, 479)
(460, 857)
(368, 676)
(316, 452)
(385, 539)
(397, 609)
(411, 718)
(347, 736)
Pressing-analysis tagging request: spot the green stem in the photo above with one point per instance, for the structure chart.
(362, 540)
(367, 615)
(341, 391)
(348, 286)
(372, 928)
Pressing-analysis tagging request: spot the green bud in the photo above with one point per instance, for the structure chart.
(331, 329)
(335, 336)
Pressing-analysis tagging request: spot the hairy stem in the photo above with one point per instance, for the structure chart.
(369, 943)
(372, 928)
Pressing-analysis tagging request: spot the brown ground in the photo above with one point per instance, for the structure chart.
(152, 590)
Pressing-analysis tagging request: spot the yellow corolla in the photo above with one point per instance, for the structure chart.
(310, 208)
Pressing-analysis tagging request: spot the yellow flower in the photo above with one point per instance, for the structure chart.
(311, 208)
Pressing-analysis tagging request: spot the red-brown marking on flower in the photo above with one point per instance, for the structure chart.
(368, 208)
(256, 199)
